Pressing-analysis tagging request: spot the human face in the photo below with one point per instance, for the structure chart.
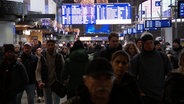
(132, 50)
(50, 47)
(139, 44)
(120, 65)
(175, 45)
(148, 45)
(27, 49)
(99, 86)
(157, 47)
(17, 49)
(39, 51)
(9, 55)
(113, 42)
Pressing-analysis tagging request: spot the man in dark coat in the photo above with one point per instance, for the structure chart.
(150, 67)
(13, 76)
(112, 47)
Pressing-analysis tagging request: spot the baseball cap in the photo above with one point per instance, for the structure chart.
(28, 44)
(99, 66)
(146, 36)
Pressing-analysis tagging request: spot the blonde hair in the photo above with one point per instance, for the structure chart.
(127, 46)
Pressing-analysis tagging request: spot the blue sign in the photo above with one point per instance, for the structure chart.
(157, 23)
(116, 13)
(180, 9)
(140, 28)
(134, 31)
(157, 3)
(151, 28)
(167, 13)
(125, 32)
(143, 12)
(129, 30)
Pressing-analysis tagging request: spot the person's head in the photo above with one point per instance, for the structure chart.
(131, 49)
(17, 47)
(9, 52)
(99, 78)
(176, 43)
(77, 45)
(157, 45)
(148, 41)
(38, 51)
(138, 43)
(113, 40)
(44, 44)
(120, 63)
(50, 46)
(27, 48)
(65, 50)
(181, 59)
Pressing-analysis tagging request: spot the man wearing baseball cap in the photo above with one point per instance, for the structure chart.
(98, 82)
(30, 62)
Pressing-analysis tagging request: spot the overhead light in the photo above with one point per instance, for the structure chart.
(26, 32)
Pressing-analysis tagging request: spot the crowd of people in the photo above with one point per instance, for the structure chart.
(144, 71)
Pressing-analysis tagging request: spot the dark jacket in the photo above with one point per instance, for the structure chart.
(12, 81)
(107, 53)
(58, 67)
(30, 63)
(74, 69)
(150, 68)
(175, 55)
(126, 92)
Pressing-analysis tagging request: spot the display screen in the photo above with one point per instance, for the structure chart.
(96, 13)
(157, 23)
(91, 29)
(180, 9)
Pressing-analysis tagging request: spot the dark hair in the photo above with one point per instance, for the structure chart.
(137, 40)
(8, 47)
(176, 41)
(120, 52)
(113, 34)
(51, 41)
(77, 45)
(156, 42)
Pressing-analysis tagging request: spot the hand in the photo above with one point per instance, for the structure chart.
(41, 84)
(142, 94)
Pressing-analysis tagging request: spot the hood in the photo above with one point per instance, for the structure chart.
(79, 55)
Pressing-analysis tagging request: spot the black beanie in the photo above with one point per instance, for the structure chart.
(8, 47)
(146, 36)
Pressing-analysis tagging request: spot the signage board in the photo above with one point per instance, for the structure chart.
(139, 28)
(180, 9)
(157, 3)
(116, 13)
(157, 23)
